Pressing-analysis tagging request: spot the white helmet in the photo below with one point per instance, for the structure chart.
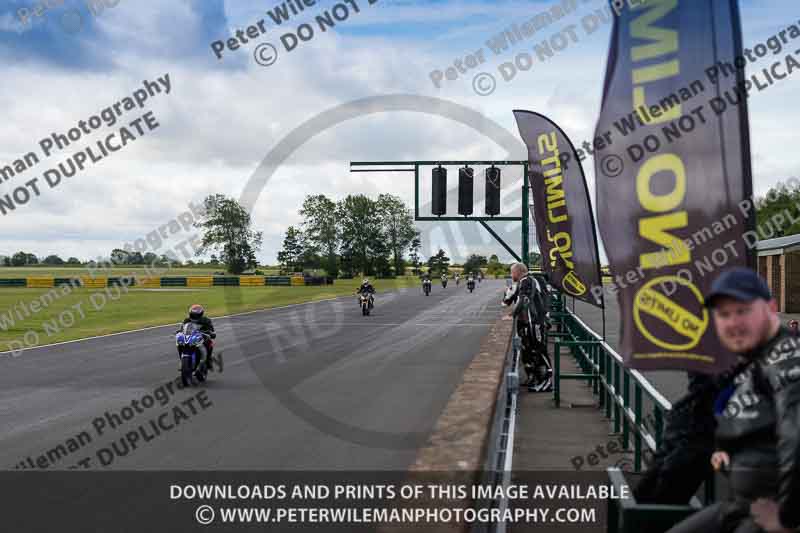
(365, 281)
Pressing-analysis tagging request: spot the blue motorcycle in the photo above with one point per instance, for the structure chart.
(189, 340)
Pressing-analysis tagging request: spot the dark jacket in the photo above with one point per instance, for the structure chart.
(204, 324)
(528, 296)
(760, 427)
(683, 460)
(366, 288)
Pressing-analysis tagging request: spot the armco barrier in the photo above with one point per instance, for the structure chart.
(499, 461)
(177, 281)
(226, 281)
(122, 280)
(251, 281)
(40, 282)
(154, 282)
(199, 281)
(94, 283)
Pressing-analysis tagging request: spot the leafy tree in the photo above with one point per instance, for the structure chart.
(213, 260)
(227, 229)
(416, 244)
(439, 264)
(495, 267)
(362, 238)
(398, 226)
(150, 258)
(6, 261)
(53, 260)
(24, 259)
(320, 227)
(346, 265)
(120, 257)
(73, 261)
(783, 198)
(474, 263)
(291, 256)
(310, 258)
(382, 266)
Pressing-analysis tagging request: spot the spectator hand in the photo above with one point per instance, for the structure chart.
(765, 514)
(720, 460)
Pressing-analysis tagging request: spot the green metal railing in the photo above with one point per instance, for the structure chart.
(603, 370)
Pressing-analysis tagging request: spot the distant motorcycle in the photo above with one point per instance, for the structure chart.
(444, 283)
(458, 281)
(189, 339)
(471, 284)
(426, 287)
(365, 300)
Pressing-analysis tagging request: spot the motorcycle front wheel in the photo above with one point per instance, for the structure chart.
(186, 371)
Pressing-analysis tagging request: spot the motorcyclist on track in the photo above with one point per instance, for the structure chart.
(204, 324)
(526, 296)
(458, 279)
(367, 287)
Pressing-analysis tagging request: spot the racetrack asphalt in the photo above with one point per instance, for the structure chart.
(315, 386)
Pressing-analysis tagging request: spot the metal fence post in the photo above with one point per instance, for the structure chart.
(557, 373)
(626, 402)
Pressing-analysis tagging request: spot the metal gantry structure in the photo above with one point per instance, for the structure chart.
(414, 167)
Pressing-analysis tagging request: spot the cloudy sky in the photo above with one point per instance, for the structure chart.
(226, 119)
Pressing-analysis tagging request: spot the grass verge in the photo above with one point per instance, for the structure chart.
(57, 315)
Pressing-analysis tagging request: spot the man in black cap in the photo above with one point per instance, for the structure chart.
(757, 415)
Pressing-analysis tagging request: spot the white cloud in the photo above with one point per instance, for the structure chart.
(220, 121)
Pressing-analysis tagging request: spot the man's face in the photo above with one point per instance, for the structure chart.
(515, 275)
(742, 326)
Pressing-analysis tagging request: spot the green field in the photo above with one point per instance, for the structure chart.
(140, 308)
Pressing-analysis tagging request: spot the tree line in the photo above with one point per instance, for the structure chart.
(117, 256)
(22, 258)
(784, 196)
(357, 234)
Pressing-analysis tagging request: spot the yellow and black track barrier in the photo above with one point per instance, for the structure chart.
(153, 282)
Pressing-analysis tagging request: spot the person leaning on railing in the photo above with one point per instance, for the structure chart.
(757, 416)
(527, 298)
